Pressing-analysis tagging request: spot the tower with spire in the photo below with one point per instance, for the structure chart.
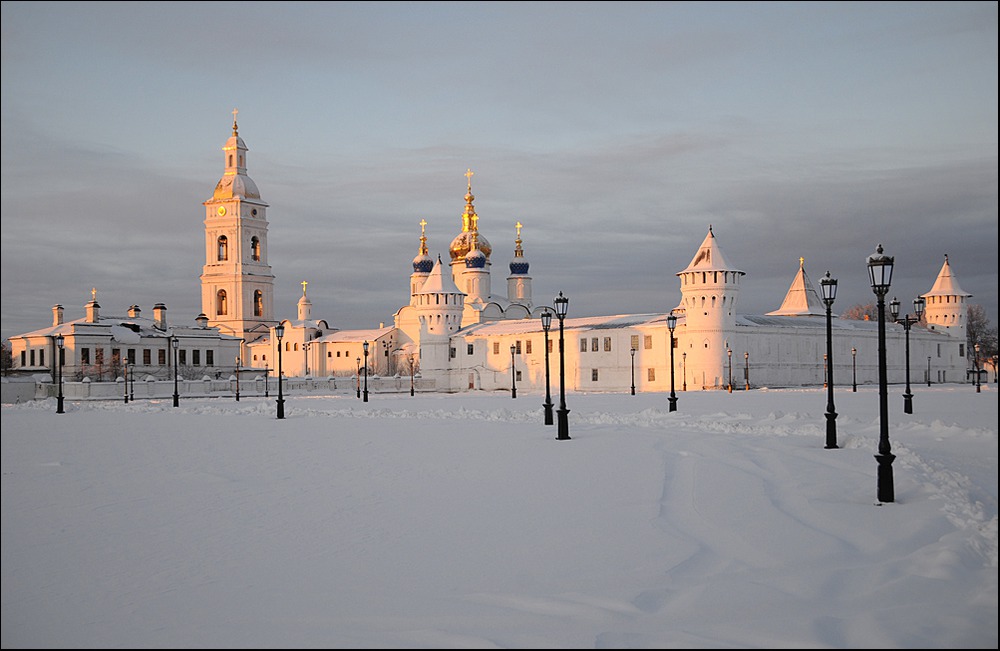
(709, 289)
(946, 305)
(237, 286)
(471, 275)
(519, 282)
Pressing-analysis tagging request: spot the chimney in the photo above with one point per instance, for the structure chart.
(160, 316)
(93, 311)
(57, 315)
(202, 321)
(133, 312)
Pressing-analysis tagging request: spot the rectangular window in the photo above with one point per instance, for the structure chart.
(183, 358)
(99, 356)
(607, 344)
(939, 350)
(496, 347)
(593, 344)
(961, 350)
(209, 358)
(517, 374)
(24, 358)
(583, 345)
(451, 352)
(647, 342)
(161, 356)
(651, 374)
(85, 356)
(468, 349)
(32, 358)
(517, 346)
(41, 357)
(593, 375)
(196, 357)
(116, 356)
(635, 342)
(527, 347)
(131, 355)
(147, 357)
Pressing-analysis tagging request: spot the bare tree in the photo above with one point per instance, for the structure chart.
(859, 312)
(980, 331)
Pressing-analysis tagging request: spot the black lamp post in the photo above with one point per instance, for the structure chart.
(633, 370)
(513, 377)
(854, 369)
(357, 375)
(829, 288)
(826, 383)
(267, 380)
(125, 371)
(729, 352)
(671, 324)
(928, 370)
(880, 274)
(906, 322)
(746, 370)
(561, 304)
(279, 332)
(994, 370)
(60, 342)
(365, 347)
(237, 378)
(131, 382)
(684, 364)
(411, 374)
(176, 344)
(976, 369)
(547, 405)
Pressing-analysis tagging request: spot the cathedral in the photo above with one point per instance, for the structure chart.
(456, 334)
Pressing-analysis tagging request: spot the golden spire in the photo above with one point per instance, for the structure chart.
(802, 262)
(235, 129)
(93, 294)
(423, 237)
(518, 253)
(470, 220)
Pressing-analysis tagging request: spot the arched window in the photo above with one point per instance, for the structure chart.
(223, 248)
(230, 160)
(255, 248)
(258, 303)
(220, 303)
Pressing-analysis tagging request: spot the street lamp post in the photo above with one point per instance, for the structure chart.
(125, 371)
(829, 288)
(729, 352)
(513, 377)
(975, 367)
(826, 382)
(633, 370)
(671, 324)
(237, 378)
(928, 370)
(60, 356)
(684, 364)
(175, 342)
(267, 381)
(561, 304)
(746, 370)
(279, 332)
(906, 322)
(880, 274)
(995, 357)
(365, 347)
(854, 369)
(547, 405)
(411, 374)
(131, 382)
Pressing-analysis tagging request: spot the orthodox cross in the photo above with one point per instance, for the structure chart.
(304, 283)
(468, 174)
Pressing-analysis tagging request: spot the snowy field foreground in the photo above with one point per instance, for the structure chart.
(460, 522)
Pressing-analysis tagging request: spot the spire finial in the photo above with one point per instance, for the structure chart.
(423, 237)
(802, 262)
(470, 220)
(235, 128)
(93, 294)
(518, 253)
(304, 283)
(468, 175)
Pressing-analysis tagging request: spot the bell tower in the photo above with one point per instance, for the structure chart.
(237, 286)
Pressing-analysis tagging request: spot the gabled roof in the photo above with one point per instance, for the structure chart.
(801, 299)
(946, 283)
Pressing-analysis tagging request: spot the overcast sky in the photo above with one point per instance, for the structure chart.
(616, 133)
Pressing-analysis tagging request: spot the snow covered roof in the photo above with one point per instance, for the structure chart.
(709, 257)
(946, 283)
(801, 299)
(439, 282)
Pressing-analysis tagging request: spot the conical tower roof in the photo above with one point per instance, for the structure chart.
(802, 298)
(439, 282)
(946, 283)
(709, 257)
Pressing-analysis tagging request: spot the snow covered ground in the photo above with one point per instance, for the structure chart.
(459, 521)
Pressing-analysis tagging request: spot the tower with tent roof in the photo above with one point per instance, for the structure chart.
(947, 305)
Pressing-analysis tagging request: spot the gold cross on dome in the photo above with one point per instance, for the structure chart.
(304, 283)
(423, 223)
(93, 293)
(469, 174)
(518, 226)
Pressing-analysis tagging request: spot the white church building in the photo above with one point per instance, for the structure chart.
(456, 334)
